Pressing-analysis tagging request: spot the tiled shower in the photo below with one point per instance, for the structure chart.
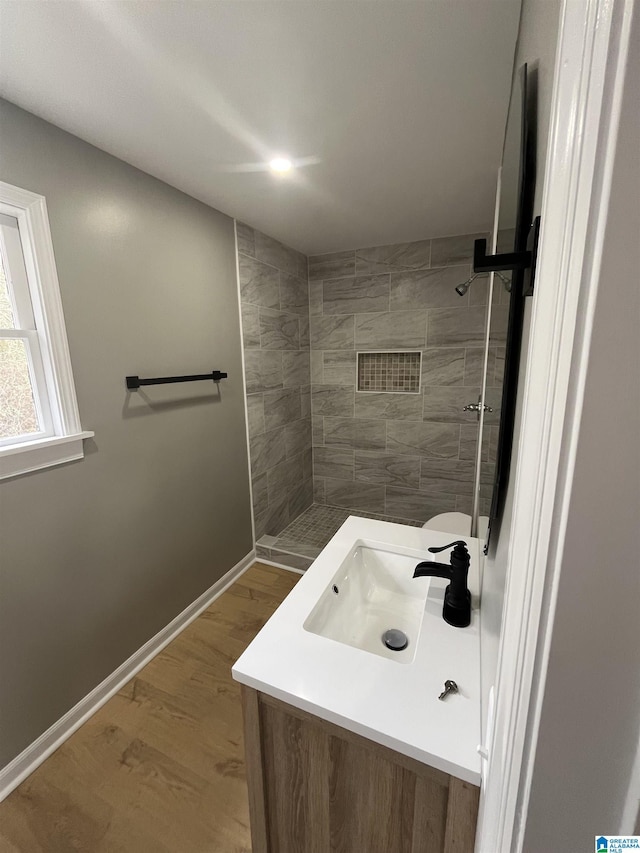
(358, 365)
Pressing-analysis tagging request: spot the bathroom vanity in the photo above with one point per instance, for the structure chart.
(348, 746)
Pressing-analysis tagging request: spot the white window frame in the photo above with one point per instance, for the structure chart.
(61, 437)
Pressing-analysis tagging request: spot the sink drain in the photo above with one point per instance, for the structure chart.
(395, 639)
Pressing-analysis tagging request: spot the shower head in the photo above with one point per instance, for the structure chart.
(461, 289)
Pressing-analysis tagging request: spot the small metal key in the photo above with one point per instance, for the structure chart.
(449, 687)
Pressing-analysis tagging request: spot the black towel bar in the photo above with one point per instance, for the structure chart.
(134, 382)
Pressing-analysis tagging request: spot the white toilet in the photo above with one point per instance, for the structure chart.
(457, 523)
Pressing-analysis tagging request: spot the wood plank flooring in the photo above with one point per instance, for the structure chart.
(160, 767)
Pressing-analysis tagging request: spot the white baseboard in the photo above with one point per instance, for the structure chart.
(29, 759)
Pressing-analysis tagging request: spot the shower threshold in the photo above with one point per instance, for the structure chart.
(302, 540)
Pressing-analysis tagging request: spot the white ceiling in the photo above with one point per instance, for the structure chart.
(397, 107)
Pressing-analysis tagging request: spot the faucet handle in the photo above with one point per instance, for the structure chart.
(455, 544)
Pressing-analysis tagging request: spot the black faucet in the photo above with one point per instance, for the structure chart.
(457, 598)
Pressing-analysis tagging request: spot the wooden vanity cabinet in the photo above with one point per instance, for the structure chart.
(315, 787)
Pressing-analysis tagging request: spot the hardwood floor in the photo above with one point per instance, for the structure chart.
(160, 767)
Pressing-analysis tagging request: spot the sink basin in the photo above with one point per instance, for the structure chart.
(373, 591)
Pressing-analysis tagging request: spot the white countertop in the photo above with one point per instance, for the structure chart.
(394, 704)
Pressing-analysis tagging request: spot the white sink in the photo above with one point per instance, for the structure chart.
(373, 591)
(322, 652)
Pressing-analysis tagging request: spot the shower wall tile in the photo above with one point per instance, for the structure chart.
(359, 496)
(317, 430)
(492, 453)
(250, 326)
(294, 294)
(274, 297)
(388, 406)
(332, 332)
(474, 365)
(317, 373)
(277, 254)
(263, 370)
(295, 368)
(464, 504)
(357, 294)
(307, 463)
(273, 518)
(446, 251)
(349, 433)
(298, 438)
(305, 333)
(433, 440)
(333, 400)
(338, 367)
(392, 330)
(315, 299)
(395, 257)
(259, 283)
(260, 492)
(387, 469)
(246, 239)
(450, 476)
(283, 477)
(279, 330)
(330, 462)
(305, 401)
(332, 265)
(499, 366)
(281, 407)
(487, 473)
(493, 399)
(447, 403)
(479, 291)
(443, 366)
(266, 450)
(469, 442)
(318, 490)
(460, 327)
(409, 503)
(300, 498)
(433, 288)
(255, 414)
(500, 321)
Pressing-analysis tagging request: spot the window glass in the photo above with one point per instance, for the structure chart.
(18, 415)
(7, 320)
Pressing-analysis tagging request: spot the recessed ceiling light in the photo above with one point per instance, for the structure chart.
(280, 164)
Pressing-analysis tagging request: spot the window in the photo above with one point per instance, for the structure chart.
(39, 419)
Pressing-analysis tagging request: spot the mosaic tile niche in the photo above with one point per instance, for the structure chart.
(393, 372)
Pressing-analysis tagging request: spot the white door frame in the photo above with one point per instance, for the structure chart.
(588, 83)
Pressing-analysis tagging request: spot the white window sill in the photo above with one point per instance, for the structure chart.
(41, 453)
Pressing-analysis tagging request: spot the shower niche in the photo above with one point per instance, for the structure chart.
(390, 372)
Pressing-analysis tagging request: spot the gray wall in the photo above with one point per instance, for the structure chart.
(590, 719)
(405, 455)
(274, 294)
(100, 554)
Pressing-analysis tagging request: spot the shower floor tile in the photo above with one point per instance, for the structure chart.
(307, 535)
